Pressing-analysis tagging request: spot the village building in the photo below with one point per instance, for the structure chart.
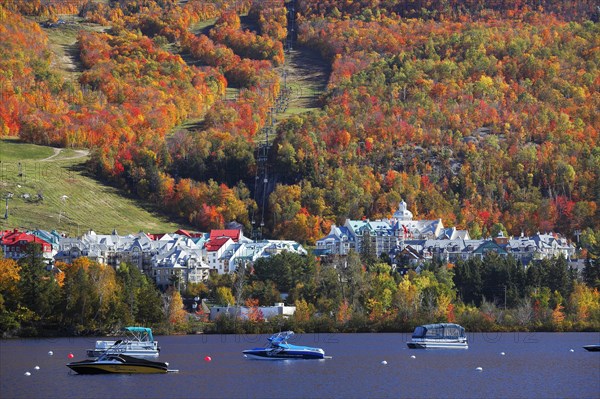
(411, 242)
(385, 235)
(14, 245)
(168, 258)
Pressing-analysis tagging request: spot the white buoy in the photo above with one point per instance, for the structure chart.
(27, 373)
(479, 369)
(383, 362)
(50, 353)
(413, 357)
(37, 367)
(502, 353)
(572, 350)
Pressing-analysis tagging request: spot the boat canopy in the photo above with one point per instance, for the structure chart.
(439, 331)
(142, 333)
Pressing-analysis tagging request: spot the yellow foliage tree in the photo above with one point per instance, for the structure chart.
(9, 278)
(103, 278)
(177, 315)
(303, 311)
(443, 305)
(375, 308)
(9, 274)
(224, 296)
(407, 298)
(584, 301)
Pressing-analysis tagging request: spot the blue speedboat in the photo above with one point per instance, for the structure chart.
(279, 349)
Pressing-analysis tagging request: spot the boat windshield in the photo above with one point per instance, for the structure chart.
(454, 331)
(419, 332)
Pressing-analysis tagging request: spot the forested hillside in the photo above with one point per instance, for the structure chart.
(477, 112)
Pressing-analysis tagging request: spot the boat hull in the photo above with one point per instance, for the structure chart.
(437, 345)
(283, 355)
(119, 364)
(115, 369)
(592, 348)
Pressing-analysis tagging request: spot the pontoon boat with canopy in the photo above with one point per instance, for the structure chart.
(441, 335)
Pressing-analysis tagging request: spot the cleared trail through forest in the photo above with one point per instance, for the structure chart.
(306, 74)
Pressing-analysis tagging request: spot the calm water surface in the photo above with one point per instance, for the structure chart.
(535, 365)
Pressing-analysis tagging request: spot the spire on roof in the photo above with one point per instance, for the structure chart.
(403, 213)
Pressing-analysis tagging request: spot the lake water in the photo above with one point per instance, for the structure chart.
(534, 365)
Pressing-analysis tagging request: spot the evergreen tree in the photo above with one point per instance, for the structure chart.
(39, 289)
(591, 272)
(285, 270)
(141, 298)
(558, 276)
(149, 309)
(468, 282)
(368, 253)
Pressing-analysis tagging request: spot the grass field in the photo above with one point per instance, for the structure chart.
(71, 201)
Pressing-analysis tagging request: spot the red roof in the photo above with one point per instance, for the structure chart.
(19, 238)
(190, 234)
(233, 234)
(216, 244)
(11, 237)
(183, 232)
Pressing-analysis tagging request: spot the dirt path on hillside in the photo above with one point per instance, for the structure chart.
(62, 40)
(58, 151)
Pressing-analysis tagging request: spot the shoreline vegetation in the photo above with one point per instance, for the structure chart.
(231, 326)
(495, 294)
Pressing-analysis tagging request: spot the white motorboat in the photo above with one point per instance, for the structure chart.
(439, 336)
(138, 341)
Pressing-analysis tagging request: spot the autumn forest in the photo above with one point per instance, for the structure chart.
(477, 112)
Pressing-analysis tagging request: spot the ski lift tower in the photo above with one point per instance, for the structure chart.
(261, 180)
